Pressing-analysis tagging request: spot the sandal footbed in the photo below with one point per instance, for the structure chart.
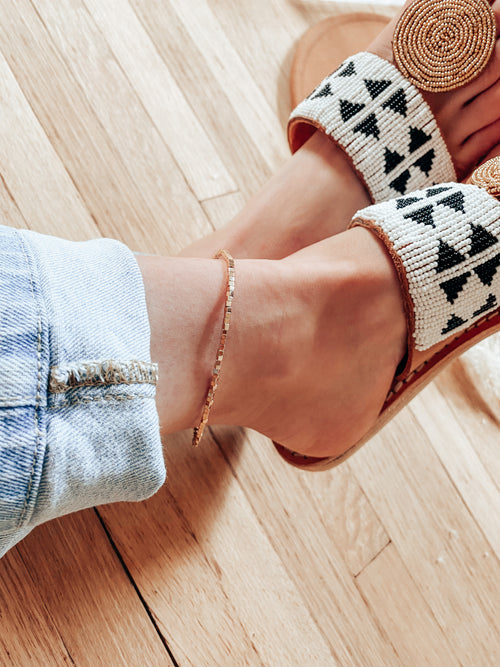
(326, 45)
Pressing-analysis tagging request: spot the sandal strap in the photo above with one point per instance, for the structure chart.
(383, 124)
(445, 244)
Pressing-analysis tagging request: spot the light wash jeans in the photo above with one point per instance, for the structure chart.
(78, 422)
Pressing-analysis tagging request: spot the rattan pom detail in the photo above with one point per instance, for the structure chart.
(440, 45)
(487, 176)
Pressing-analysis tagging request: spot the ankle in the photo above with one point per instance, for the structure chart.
(374, 292)
(185, 301)
(259, 349)
(349, 187)
(355, 272)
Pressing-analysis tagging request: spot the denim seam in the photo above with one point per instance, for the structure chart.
(38, 386)
(99, 399)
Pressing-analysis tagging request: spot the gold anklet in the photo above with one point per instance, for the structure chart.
(198, 431)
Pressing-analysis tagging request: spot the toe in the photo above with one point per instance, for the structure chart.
(485, 80)
(481, 112)
(476, 147)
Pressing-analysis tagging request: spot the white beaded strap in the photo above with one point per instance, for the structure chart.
(381, 121)
(446, 240)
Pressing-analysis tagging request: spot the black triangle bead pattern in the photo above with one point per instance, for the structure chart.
(392, 159)
(375, 87)
(400, 184)
(326, 91)
(382, 122)
(369, 127)
(454, 201)
(491, 304)
(418, 138)
(349, 109)
(447, 257)
(397, 102)
(448, 240)
(455, 322)
(481, 239)
(403, 202)
(432, 192)
(487, 271)
(454, 286)
(425, 162)
(347, 70)
(422, 215)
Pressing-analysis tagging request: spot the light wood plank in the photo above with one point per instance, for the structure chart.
(209, 95)
(135, 139)
(402, 612)
(9, 212)
(459, 458)
(221, 210)
(153, 83)
(32, 171)
(345, 512)
(266, 49)
(307, 547)
(227, 68)
(205, 566)
(28, 635)
(440, 544)
(114, 199)
(71, 575)
(478, 419)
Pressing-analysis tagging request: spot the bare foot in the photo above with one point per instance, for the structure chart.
(316, 193)
(340, 338)
(314, 341)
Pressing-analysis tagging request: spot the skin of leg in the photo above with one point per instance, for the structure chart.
(313, 345)
(316, 192)
(308, 199)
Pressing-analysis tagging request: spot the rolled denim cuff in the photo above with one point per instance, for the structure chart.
(84, 427)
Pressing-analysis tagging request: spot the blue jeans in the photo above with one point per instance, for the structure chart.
(78, 421)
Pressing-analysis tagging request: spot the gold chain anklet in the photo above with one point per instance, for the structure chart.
(198, 431)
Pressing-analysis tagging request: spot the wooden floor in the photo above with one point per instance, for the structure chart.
(153, 121)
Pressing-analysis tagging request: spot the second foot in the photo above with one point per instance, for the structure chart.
(332, 347)
(317, 192)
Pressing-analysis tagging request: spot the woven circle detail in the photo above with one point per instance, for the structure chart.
(487, 176)
(440, 45)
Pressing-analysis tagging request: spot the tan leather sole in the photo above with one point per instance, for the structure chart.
(325, 45)
(402, 392)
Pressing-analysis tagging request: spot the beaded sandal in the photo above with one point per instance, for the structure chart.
(445, 244)
(325, 45)
(373, 109)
